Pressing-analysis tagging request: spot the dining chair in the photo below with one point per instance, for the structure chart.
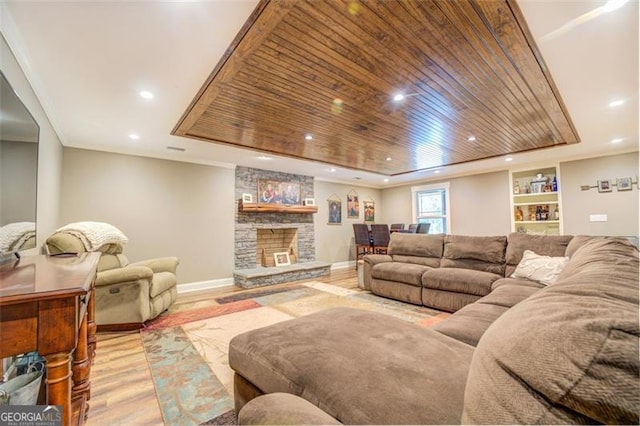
(380, 236)
(396, 227)
(362, 239)
(413, 227)
(423, 228)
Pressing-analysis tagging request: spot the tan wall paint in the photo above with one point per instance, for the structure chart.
(479, 204)
(334, 243)
(166, 208)
(621, 207)
(49, 148)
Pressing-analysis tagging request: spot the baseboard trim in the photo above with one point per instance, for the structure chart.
(343, 265)
(204, 285)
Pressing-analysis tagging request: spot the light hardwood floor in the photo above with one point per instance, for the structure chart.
(122, 391)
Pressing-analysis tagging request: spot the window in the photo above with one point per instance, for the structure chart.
(431, 205)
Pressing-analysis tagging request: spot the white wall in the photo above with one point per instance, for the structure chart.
(621, 207)
(166, 208)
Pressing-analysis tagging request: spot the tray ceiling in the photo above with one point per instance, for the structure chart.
(329, 69)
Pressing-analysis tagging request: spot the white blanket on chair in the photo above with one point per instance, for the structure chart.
(14, 235)
(95, 234)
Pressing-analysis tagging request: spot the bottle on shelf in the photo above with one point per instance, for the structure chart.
(518, 214)
(516, 188)
(556, 214)
(538, 213)
(554, 185)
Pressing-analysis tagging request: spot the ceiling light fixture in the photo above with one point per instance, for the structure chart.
(134, 136)
(398, 97)
(332, 170)
(388, 158)
(616, 103)
(145, 94)
(471, 138)
(264, 158)
(508, 159)
(616, 140)
(436, 171)
(308, 137)
(386, 179)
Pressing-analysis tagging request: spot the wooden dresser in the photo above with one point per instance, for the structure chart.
(47, 304)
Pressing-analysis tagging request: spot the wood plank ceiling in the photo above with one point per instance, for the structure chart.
(330, 69)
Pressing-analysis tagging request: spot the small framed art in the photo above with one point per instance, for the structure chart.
(309, 202)
(247, 198)
(605, 185)
(624, 184)
(282, 258)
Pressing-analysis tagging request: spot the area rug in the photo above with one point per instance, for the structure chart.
(187, 348)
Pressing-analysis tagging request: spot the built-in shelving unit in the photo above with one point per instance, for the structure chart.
(275, 208)
(535, 201)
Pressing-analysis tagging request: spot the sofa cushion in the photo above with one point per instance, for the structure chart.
(516, 282)
(408, 273)
(508, 294)
(408, 293)
(459, 280)
(419, 245)
(547, 245)
(543, 269)
(405, 374)
(447, 301)
(283, 409)
(567, 354)
(486, 249)
(469, 323)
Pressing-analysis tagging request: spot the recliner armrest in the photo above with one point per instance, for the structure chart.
(374, 259)
(160, 264)
(123, 275)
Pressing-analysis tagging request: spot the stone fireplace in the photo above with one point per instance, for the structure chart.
(258, 235)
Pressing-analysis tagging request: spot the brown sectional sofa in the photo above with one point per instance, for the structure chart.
(448, 272)
(522, 354)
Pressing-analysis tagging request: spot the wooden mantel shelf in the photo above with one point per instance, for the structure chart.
(276, 208)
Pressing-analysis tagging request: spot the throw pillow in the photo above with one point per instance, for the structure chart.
(544, 269)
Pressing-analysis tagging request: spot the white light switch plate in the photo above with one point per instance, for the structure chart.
(597, 218)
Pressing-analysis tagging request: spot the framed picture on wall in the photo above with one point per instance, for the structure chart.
(353, 205)
(309, 202)
(335, 212)
(624, 184)
(247, 198)
(369, 211)
(605, 185)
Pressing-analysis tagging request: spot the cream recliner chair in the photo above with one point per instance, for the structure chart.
(127, 294)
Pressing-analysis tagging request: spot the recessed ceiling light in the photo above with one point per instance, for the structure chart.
(332, 170)
(308, 137)
(508, 159)
(398, 97)
(616, 103)
(134, 136)
(388, 158)
(436, 171)
(616, 140)
(145, 94)
(386, 179)
(264, 158)
(471, 138)
(612, 5)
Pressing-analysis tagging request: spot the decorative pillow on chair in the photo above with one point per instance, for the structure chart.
(544, 269)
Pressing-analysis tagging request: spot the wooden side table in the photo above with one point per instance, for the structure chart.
(47, 304)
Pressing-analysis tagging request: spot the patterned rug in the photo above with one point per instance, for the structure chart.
(187, 348)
